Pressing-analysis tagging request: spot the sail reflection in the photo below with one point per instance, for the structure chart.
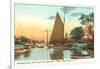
(27, 53)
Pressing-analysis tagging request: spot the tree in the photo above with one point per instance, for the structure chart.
(90, 31)
(87, 20)
(77, 33)
(23, 39)
(91, 15)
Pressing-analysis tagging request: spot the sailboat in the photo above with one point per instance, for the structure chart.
(57, 39)
(57, 36)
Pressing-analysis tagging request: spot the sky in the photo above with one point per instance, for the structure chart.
(32, 20)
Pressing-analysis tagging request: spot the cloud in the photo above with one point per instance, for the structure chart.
(66, 10)
(51, 17)
(76, 14)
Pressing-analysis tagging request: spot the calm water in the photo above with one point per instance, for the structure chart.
(19, 46)
(44, 54)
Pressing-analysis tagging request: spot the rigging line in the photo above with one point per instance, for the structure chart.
(64, 14)
(70, 19)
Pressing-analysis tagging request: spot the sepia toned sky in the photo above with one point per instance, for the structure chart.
(33, 21)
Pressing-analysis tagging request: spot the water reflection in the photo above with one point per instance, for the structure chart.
(27, 53)
(17, 56)
(57, 55)
(44, 54)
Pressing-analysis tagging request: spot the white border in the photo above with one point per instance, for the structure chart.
(42, 3)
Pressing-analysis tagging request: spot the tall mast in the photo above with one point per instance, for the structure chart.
(47, 36)
(64, 14)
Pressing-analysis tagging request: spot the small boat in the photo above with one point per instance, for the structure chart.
(51, 46)
(20, 51)
(40, 45)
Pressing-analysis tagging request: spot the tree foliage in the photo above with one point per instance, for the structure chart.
(85, 19)
(23, 39)
(77, 33)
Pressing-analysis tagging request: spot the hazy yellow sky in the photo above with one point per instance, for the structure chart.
(33, 21)
(33, 27)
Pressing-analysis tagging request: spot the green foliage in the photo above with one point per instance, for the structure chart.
(23, 39)
(91, 15)
(77, 33)
(86, 18)
(79, 47)
(84, 47)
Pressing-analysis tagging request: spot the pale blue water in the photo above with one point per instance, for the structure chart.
(42, 54)
(19, 46)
